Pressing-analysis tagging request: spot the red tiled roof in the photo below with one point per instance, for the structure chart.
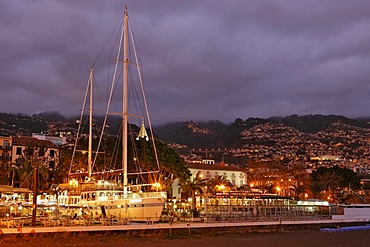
(213, 167)
(31, 141)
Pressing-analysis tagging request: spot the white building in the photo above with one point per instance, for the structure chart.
(234, 174)
(54, 139)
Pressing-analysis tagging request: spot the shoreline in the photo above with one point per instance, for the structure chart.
(299, 238)
(180, 228)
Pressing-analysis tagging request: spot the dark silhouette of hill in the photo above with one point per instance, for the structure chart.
(314, 123)
(215, 134)
(19, 124)
(51, 116)
(193, 134)
(211, 134)
(112, 125)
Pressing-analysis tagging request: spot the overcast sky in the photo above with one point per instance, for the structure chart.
(203, 59)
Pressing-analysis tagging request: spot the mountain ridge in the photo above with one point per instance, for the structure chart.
(215, 134)
(206, 134)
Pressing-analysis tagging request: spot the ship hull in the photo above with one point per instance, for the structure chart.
(138, 209)
(95, 204)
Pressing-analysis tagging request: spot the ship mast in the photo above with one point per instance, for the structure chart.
(89, 157)
(125, 100)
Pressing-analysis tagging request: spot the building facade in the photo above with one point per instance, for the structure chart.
(208, 170)
(45, 150)
(5, 157)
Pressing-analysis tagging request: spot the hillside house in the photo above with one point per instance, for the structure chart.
(47, 149)
(5, 157)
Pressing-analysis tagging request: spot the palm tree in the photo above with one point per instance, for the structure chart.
(190, 187)
(23, 168)
(20, 173)
(219, 183)
(299, 190)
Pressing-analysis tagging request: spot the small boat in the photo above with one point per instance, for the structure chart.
(98, 198)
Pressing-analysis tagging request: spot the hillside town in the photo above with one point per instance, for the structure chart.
(286, 147)
(273, 159)
(285, 157)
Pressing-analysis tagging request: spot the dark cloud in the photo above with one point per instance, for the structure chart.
(202, 59)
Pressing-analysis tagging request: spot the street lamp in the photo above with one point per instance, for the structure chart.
(278, 189)
(221, 187)
(156, 186)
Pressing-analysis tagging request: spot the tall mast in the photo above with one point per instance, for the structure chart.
(125, 99)
(89, 158)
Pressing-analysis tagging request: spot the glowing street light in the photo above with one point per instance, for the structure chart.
(278, 189)
(221, 187)
(156, 186)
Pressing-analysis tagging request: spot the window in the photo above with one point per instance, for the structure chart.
(52, 153)
(6, 144)
(52, 165)
(19, 151)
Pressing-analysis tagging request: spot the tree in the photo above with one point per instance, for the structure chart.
(32, 156)
(316, 187)
(219, 183)
(299, 190)
(172, 166)
(335, 180)
(190, 187)
(60, 172)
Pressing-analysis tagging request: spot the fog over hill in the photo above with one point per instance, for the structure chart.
(210, 134)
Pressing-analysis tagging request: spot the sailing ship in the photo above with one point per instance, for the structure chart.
(119, 199)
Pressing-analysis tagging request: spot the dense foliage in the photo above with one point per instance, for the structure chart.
(335, 181)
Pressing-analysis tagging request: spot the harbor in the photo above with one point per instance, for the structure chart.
(111, 175)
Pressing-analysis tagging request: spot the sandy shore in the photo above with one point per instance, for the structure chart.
(283, 239)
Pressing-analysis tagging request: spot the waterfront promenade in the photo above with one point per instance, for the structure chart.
(186, 228)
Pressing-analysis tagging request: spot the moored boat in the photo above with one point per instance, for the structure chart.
(94, 197)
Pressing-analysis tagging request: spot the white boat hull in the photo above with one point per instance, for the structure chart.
(143, 206)
(139, 209)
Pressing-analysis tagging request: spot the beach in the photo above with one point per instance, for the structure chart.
(276, 239)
